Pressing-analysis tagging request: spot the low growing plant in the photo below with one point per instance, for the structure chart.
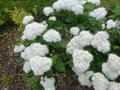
(76, 39)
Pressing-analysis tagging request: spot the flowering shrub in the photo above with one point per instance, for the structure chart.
(74, 39)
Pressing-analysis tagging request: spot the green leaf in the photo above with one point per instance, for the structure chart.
(63, 44)
(40, 39)
(49, 73)
(81, 19)
(54, 58)
(69, 73)
(71, 63)
(70, 19)
(81, 27)
(89, 7)
(59, 66)
(54, 23)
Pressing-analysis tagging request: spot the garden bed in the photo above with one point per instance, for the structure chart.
(9, 67)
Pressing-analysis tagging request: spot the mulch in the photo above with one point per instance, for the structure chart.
(9, 67)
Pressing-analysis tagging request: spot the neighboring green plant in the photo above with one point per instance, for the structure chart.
(17, 16)
(7, 80)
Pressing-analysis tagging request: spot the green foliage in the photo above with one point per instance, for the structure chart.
(17, 16)
(32, 81)
(7, 80)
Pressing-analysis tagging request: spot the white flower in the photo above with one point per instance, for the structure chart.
(72, 45)
(85, 38)
(57, 5)
(114, 86)
(100, 82)
(52, 18)
(75, 6)
(27, 19)
(48, 10)
(27, 67)
(19, 48)
(117, 24)
(96, 2)
(111, 74)
(80, 41)
(74, 30)
(98, 13)
(35, 49)
(114, 61)
(100, 41)
(40, 65)
(48, 83)
(82, 59)
(33, 30)
(23, 37)
(112, 68)
(77, 9)
(84, 78)
(110, 24)
(52, 36)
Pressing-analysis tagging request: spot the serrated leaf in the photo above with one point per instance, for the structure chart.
(59, 66)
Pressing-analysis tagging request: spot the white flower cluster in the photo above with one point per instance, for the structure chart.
(96, 2)
(52, 36)
(40, 65)
(48, 83)
(98, 13)
(74, 31)
(100, 41)
(85, 38)
(19, 48)
(81, 60)
(33, 30)
(110, 24)
(35, 49)
(112, 68)
(48, 10)
(114, 86)
(52, 18)
(100, 82)
(26, 67)
(80, 41)
(75, 6)
(72, 45)
(84, 78)
(27, 19)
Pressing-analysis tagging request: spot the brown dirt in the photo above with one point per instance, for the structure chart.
(9, 67)
(8, 62)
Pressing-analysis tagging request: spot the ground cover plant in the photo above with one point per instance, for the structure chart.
(80, 38)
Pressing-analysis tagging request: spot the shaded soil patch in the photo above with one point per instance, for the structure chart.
(8, 63)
